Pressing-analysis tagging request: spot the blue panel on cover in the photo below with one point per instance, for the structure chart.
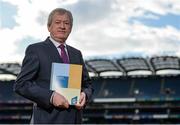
(63, 70)
(62, 81)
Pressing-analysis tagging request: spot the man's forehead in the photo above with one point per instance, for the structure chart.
(61, 16)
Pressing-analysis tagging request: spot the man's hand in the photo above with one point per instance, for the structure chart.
(59, 101)
(82, 101)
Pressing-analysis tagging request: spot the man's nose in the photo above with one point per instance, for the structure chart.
(62, 25)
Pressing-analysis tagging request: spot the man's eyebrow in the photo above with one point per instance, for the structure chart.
(62, 20)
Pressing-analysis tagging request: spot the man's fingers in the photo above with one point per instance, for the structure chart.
(66, 104)
(78, 106)
(82, 101)
(60, 101)
(82, 97)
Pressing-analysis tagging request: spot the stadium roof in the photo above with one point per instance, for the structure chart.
(10, 68)
(128, 65)
(123, 66)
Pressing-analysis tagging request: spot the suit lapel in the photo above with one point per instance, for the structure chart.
(52, 51)
(71, 55)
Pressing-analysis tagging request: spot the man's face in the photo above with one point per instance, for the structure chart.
(60, 27)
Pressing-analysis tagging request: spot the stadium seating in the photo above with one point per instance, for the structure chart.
(127, 98)
(14, 109)
(116, 100)
(135, 100)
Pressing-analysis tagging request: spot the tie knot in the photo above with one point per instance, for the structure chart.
(61, 46)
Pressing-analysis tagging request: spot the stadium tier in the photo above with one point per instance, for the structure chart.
(146, 90)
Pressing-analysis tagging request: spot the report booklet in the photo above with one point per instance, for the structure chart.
(66, 80)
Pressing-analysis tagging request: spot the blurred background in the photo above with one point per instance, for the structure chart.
(131, 49)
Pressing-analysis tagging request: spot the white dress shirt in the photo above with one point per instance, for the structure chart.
(57, 44)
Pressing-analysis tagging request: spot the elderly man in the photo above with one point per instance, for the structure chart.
(33, 82)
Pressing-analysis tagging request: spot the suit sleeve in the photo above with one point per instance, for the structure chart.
(25, 84)
(86, 82)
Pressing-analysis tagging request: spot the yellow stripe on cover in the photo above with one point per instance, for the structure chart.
(75, 75)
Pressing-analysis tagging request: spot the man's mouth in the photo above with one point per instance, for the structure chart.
(61, 31)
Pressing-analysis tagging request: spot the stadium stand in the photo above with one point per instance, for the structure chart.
(146, 90)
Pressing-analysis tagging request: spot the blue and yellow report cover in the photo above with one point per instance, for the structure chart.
(66, 80)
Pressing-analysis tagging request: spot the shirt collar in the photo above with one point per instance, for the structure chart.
(57, 44)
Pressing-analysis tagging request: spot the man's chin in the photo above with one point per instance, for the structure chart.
(60, 39)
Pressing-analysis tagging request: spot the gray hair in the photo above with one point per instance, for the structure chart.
(60, 11)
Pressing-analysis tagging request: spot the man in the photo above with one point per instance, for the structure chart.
(33, 82)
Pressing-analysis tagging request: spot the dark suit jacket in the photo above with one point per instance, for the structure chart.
(33, 82)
